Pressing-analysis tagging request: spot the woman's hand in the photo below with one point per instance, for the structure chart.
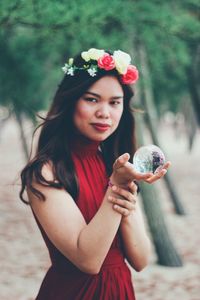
(124, 172)
(124, 201)
(159, 174)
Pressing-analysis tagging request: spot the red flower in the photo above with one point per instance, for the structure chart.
(131, 75)
(106, 62)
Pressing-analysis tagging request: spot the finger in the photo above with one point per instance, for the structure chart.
(160, 173)
(123, 203)
(132, 187)
(167, 165)
(157, 176)
(121, 160)
(127, 195)
(124, 212)
(140, 176)
(135, 175)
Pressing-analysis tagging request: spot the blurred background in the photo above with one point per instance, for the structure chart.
(163, 37)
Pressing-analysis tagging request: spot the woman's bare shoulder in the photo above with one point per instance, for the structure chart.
(48, 174)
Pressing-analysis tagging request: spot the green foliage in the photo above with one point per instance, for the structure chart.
(20, 76)
(168, 29)
(36, 38)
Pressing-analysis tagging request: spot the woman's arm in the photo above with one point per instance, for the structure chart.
(136, 242)
(86, 245)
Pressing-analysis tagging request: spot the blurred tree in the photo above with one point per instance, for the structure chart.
(152, 122)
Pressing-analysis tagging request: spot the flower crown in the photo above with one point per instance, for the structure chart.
(96, 59)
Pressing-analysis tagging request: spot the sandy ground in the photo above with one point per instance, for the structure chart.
(24, 257)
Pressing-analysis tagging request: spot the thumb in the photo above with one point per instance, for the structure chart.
(121, 160)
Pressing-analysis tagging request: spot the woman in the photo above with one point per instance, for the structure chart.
(81, 185)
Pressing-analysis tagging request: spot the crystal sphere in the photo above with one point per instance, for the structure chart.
(148, 159)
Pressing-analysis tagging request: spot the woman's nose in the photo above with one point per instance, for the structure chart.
(103, 112)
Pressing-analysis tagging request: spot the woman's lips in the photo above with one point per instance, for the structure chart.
(101, 127)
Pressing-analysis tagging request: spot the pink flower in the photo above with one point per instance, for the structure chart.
(106, 62)
(131, 75)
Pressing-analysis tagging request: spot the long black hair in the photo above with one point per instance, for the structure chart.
(57, 130)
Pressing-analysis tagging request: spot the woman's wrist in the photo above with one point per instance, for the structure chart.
(112, 182)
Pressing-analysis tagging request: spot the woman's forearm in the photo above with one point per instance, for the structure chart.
(97, 236)
(135, 240)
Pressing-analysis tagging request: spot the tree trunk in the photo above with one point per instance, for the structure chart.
(194, 93)
(151, 119)
(23, 138)
(165, 250)
(193, 80)
(164, 246)
(187, 109)
(4, 120)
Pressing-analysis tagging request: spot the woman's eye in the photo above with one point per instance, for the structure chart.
(115, 102)
(90, 99)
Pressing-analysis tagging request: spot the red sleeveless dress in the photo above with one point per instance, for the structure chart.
(64, 281)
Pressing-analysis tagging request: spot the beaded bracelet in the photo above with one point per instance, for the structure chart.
(110, 184)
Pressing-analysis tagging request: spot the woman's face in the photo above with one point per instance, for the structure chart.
(98, 111)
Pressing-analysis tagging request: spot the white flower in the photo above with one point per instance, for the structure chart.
(93, 54)
(71, 60)
(65, 68)
(122, 60)
(85, 55)
(70, 71)
(92, 72)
